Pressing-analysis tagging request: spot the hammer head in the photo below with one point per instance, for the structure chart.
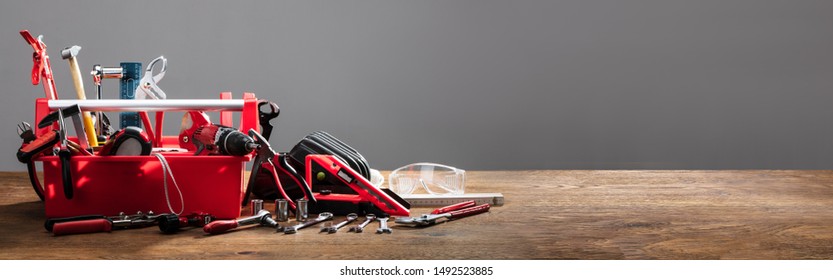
(70, 52)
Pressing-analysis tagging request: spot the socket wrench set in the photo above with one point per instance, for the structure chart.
(196, 179)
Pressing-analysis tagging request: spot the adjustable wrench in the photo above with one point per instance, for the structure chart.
(368, 219)
(321, 217)
(333, 229)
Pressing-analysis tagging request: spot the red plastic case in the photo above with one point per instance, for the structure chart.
(107, 185)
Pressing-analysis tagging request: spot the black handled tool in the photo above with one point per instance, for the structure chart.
(264, 156)
(266, 116)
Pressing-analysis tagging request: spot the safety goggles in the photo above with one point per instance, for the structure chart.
(434, 178)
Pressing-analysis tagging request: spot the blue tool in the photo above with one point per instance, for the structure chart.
(132, 74)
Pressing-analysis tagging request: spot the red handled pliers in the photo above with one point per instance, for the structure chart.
(451, 212)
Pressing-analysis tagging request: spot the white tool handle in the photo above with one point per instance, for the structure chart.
(117, 105)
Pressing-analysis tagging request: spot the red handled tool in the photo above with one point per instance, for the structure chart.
(97, 223)
(261, 218)
(198, 134)
(264, 162)
(41, 68)
(451, 212)
(341, 190)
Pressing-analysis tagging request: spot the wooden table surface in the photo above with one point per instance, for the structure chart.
(547, 215)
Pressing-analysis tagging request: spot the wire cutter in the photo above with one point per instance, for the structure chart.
(264, 156)
(451, 212)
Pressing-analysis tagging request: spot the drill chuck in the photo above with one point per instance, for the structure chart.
(235, 143)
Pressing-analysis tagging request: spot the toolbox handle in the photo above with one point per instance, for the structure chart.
(248, 107)
(117, 105)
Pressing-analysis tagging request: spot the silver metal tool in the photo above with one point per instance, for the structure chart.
(100, 73)
(460, 210)
(333, 229)
(301, 210)
(118, 105)
(321, 217)
(148, 88)
(263, 218)
(383, 226)
(359, 228)
(257, 205)
(282, 210)
(124, 220)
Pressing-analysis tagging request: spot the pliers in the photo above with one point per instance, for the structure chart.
(451, 212)
(264, 155)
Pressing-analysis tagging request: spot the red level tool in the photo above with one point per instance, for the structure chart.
(340, 190)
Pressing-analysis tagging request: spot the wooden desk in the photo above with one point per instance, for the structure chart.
(547, 215)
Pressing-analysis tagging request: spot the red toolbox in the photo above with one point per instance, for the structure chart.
(107, 185)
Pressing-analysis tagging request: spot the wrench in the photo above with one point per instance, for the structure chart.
(358, 229)
(321, 217)
(333, 229)
(263, 218)
(383, 226)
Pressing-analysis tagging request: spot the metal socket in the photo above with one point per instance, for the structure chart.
(257, 205)
(282, 210)
(301, 210)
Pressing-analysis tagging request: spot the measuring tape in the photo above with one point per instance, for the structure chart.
(430, 200)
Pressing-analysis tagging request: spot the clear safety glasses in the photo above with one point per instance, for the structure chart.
(434, 178)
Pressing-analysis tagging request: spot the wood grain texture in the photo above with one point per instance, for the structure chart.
(547, 215)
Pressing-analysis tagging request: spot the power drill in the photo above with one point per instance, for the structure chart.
(200, 135)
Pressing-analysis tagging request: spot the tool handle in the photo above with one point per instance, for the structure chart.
(39, 145)
(458, 206)
(135, 105)
(78, 81)
(220, 226)
(51, 222)
(471, 211)
(84, 226)
(66, 172)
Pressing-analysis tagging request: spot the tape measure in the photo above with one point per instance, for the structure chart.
(429, 200)
(130, 141)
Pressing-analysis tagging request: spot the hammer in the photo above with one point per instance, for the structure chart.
(70, 53)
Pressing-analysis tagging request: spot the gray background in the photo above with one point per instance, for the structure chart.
(708, 84)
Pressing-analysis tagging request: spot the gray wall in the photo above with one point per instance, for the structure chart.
(707, 84)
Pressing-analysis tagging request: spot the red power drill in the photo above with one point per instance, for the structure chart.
(198, 134)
